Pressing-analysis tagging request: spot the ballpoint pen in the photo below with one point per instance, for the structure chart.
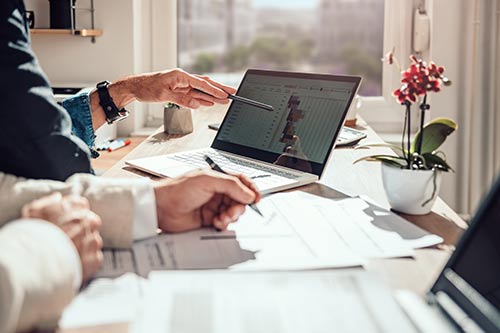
(245, 100)
(217, 168)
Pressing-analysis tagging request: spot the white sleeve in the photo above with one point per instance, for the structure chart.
(40, 273)
(145, 219)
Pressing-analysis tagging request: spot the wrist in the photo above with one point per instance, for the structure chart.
(161, 190)
(121, 94)
(160, 211)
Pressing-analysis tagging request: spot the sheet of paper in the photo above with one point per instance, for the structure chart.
(314, 301)
(347, 219)
(116, 263)
(106, 301)
(367, 229)
(415, 236)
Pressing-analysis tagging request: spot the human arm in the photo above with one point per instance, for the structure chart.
(188, 202)
(176, 86)
(36, 259)
(119, 202)
(43, 258)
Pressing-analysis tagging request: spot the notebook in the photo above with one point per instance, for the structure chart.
(278, 149)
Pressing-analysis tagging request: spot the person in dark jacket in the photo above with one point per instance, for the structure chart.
(43, 140)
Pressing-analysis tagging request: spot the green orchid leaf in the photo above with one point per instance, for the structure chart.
(435, 161)
(398, 150)
(434, 134)
(388, 159)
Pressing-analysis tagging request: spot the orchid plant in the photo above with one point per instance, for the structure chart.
(422, 153)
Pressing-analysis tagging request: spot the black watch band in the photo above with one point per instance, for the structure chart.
(110, 109)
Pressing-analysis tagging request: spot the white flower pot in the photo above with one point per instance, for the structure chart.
(407, 190)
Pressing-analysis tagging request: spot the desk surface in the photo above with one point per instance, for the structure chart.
(341, 176)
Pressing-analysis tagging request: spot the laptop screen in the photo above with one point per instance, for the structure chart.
(472, 275)
(309, 111)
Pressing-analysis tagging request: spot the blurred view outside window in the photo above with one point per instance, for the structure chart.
(223, 38)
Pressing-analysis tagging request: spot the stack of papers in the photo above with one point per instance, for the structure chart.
(298, 231)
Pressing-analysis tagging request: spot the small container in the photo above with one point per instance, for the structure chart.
(30, 17)
(177, 120)
(61, 12)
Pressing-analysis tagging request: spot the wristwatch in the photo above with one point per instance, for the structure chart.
(110, 109)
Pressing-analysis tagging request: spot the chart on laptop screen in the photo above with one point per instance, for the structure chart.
(305, 110)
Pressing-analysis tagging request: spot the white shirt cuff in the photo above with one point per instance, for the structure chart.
(145, 219)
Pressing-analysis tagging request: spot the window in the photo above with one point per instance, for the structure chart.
(297, 35)
(222, 38)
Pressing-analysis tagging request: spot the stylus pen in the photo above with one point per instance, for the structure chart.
(246, 101)
(250, 102)
(217, 168)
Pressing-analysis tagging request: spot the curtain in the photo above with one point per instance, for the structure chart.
(480, 119)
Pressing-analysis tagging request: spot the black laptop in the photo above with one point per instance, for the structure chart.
(468, 288)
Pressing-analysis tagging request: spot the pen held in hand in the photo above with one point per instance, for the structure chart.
(217, 168)
(245, 100)
(251, 102)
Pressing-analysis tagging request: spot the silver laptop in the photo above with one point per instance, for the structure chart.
(464, 298)
(279, 149)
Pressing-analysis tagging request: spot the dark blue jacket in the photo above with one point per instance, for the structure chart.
(35, 132)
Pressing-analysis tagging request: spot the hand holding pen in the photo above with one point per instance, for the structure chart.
(202, 198)
(199, 90)
(217, 168)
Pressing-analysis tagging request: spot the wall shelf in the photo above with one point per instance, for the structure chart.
(92, 32)
(76, 32)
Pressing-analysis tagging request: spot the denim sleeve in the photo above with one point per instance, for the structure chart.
(78, 107)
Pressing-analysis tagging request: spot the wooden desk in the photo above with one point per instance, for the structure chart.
(341, 176)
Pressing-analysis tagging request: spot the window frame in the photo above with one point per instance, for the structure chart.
(383, 113)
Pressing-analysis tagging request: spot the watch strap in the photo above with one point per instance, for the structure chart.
(108, 105)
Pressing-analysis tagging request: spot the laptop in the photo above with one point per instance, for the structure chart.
(280, 149)
(464, 298)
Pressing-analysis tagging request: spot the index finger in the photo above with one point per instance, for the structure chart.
(251, 185)
(228, 185)
(224, 87)
(206, 87)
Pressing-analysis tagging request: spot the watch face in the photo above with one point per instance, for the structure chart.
(102, 84)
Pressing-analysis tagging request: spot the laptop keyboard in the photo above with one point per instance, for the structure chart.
(232, 165)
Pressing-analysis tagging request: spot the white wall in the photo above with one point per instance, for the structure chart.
(124, 48)
(448, 43)
(463, 41)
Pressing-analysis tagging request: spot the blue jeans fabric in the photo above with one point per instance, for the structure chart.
(78, 107)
